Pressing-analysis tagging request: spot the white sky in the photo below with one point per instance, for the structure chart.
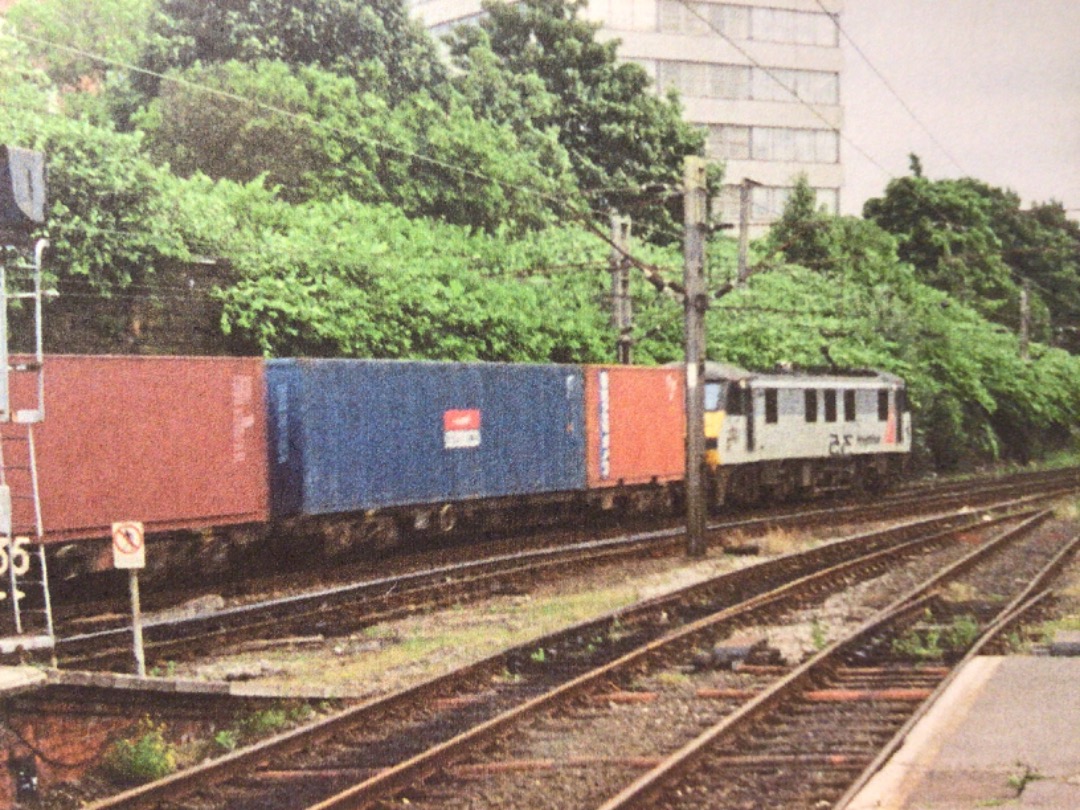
(997, 82)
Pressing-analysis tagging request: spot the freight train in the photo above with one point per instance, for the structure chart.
(225, 458)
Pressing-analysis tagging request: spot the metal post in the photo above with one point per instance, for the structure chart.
(136, 624)
(696, 303)
(622, 312)
(745, 193)
(1025, 319)
(5, 385)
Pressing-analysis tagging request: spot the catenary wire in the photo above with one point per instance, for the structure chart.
(889, 86)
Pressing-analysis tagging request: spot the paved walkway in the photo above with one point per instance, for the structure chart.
(1005, 734)
(19, 679)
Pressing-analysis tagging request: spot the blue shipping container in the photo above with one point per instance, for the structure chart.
(348, 435)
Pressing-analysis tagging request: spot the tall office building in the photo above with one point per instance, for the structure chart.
(761, 76)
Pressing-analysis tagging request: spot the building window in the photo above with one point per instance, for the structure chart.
(849, 406)
(624, 15)
(811, 86)
(702, 19)
(728, 142)
(793, 27)
(772, 412)
(767, 202)
(742, 83)
(704, 80)
(795, 145)
(810, 399)
(830, 405)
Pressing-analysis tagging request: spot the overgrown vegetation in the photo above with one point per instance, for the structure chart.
(145, 757)
(371, 198)
(149, 752)
(930, 641)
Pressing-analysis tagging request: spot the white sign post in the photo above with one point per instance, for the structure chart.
(129, 551)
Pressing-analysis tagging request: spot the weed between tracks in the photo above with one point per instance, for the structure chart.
(393, 655)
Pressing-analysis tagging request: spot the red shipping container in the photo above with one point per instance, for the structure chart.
(174, 442)
(635, 421)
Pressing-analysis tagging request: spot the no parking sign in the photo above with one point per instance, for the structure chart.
(129, 547)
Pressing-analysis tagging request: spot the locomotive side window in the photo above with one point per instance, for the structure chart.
(830, 405)
(849, 406)
(810, 396)
(772, 411)
(736, 405)
(882, 405)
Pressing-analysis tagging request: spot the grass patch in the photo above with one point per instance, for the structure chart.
(423, 646)
(932, 642)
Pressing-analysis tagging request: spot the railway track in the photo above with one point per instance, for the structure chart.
(378, 749)
(347, 608)
(813, 738)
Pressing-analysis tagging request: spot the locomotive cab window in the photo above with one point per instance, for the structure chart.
(830, 405)
(772, 410)
(882, 405)
(849, 406)
(810, 398)
(714, 396)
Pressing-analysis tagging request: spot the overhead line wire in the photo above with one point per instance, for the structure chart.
(651, 272)
(689, 5)
(888, 85)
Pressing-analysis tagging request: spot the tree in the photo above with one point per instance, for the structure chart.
(622, 139)
(945, 231)
(314, 134)
(341, 36)
(341, 278)
(116, 29)
(974, 241)
(803, 234)
(61, 35)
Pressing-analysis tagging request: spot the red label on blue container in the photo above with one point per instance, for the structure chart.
(461, 429)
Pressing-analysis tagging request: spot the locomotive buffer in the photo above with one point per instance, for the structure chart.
(26, 621)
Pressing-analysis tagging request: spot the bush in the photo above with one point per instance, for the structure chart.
(143, 759)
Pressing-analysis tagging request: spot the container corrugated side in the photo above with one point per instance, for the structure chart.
(635, 424)
(174, 442)
(349, 435)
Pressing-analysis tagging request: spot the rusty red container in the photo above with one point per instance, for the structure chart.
(634, 425)
(173, 442)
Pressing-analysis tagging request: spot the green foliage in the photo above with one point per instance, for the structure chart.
(227, 739)
(341, 36)
(344, 279)
(314, 134)
(931, 642)
(144, 758)
(620, 136)
(60, 36)
(108, 223)
(855, 302)
(263, 723)
(973, 241)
